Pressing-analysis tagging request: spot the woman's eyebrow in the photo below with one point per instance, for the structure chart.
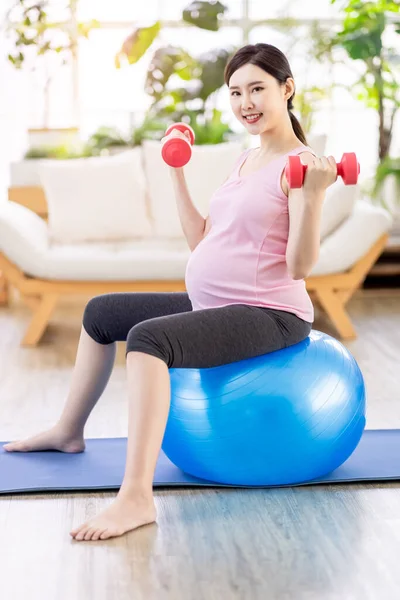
(236, 87)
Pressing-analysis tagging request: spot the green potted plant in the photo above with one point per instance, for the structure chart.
(385, 188)
(40, 43)
(201, 77)
(62, 152)
(362, 36)
(107, 140)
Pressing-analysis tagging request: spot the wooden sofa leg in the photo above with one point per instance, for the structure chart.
(4, 290)
(334, 307)
(40, 320)
(345, 295)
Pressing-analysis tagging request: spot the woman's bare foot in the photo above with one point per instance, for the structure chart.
(123, 515)
(52, 439)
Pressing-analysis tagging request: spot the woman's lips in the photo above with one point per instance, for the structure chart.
(253, 120)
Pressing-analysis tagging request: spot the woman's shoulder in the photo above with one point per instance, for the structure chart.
(303, 149)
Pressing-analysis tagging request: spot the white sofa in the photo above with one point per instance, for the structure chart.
(114, 219)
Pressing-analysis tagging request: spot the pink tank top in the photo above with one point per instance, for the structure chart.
(242, 258)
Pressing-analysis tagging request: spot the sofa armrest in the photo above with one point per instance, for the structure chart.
(23, 234)
(352, 239)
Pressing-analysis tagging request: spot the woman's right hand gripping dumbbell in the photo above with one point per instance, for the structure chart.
(177, 145)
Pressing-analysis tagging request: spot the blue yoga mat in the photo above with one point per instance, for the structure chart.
(101, 466)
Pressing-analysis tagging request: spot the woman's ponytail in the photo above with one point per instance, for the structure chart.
(297, 128)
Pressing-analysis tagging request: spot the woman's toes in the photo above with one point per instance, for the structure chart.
(84, 532)
(81, 533)
(77, 530)
(96, 536)
(90, 533)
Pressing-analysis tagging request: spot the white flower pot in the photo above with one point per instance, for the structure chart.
(38, 138)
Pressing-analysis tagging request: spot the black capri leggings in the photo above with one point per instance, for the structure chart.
(164, 325)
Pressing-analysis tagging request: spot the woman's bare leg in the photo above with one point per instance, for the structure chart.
(93, 367)
(149, 402)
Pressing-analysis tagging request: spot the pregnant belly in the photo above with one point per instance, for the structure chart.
(219, 273)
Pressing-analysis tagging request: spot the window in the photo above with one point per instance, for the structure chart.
(95, 91)
(131, 11)
(307, 9)
(127, 11)
(105, 95)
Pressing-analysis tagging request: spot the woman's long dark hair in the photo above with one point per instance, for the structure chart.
(273, 61)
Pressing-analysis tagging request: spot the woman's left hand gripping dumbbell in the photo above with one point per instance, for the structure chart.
(177, 145)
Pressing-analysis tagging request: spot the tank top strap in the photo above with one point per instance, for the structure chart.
(299, 150)
(239, 161)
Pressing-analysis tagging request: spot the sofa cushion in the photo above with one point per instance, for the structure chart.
(144, 259)
(207, 169)
(96, 199)
(339, 203)
(23, 234)
(352, 239)
(24, 241)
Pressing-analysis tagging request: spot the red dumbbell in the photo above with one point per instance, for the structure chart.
(348, 169)
(177, 152)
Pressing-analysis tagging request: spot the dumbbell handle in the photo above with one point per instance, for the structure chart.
(339, 167)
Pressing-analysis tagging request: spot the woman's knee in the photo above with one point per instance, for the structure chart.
(97, 318)
(149, 338)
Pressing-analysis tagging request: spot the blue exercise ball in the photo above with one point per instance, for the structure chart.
(282, 418)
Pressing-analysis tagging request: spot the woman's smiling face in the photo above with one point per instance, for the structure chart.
(257, 99)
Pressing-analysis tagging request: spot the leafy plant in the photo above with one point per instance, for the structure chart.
(182, 86)
(210, 128)
(37, 38)
(205, 15)
(195, 80)
(59, 152)
(137, 44)
(388, 167)
(165, 63)
(362, 37)
(150, 129)
(107, 137)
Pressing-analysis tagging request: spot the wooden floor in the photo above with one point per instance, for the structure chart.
(338, 542)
